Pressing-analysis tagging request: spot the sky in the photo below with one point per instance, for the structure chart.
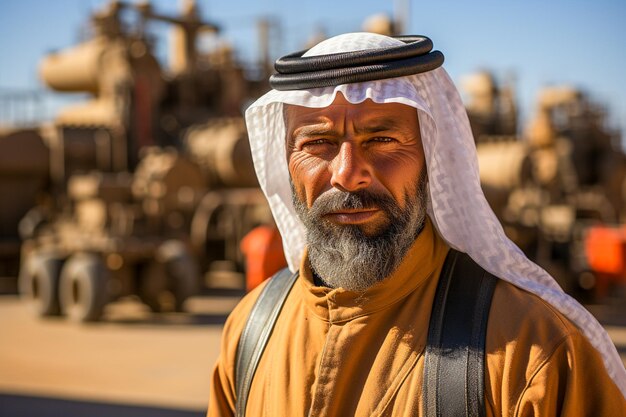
(540, 43)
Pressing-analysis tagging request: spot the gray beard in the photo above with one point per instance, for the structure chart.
(343, 256)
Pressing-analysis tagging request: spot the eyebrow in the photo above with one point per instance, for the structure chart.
(321, 129)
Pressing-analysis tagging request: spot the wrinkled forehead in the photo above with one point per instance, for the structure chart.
(367, 114)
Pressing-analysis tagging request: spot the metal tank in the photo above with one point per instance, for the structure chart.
(142, 189)
(580, 168)
(548, 184)
(24, 169)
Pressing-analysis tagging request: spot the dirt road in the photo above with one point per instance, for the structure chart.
(132, 358)
(133, 364)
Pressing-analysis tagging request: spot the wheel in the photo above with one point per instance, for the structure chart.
(83, 288)
(153, 286)
(170, 278)
(38, 283)
(182, 272)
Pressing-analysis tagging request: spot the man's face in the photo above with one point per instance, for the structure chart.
(353, 147)
(358, 178)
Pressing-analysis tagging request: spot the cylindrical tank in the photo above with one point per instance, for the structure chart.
(166, 181)
(222, 149)
(480, 87)
(502, 169)
(74, 69)
(23, 171)
(501, 163)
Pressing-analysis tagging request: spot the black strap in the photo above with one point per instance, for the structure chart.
(257, 332)
(454, 365)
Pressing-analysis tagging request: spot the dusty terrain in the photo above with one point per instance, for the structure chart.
(133, 363)
(131, 358)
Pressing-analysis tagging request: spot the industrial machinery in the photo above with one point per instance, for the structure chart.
(565, 173)
(149, 185)
(24, 168)
(143, 188)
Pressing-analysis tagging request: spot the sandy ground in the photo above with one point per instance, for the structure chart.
(133, 363)
(132, 358)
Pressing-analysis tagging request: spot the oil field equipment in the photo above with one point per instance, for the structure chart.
(550, 184)
(148, 186)
(145, 187)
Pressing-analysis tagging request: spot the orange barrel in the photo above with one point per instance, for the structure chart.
(605, 249)
(263, 250)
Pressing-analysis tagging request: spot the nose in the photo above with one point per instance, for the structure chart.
(350, 171)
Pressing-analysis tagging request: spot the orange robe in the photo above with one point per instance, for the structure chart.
(337, 353)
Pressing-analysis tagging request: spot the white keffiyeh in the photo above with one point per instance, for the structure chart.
(457, 205)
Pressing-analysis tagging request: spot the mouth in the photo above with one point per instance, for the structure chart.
(354, 216)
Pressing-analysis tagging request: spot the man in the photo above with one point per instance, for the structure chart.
(371, 182)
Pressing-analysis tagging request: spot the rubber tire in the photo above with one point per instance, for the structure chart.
(38, 283)
(183, 273)
(83, 288)
(173, 269)
(154, 282)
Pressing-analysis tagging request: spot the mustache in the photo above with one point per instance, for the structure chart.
(337, 200)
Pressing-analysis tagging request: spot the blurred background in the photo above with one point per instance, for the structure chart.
(130, 218)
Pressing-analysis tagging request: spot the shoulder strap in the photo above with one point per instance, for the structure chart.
(454, 365)
(256, 333)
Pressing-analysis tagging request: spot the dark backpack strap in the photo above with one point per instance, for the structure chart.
(257, 332)
(454, 365)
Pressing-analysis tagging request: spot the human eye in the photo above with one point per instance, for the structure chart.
(315, 144)
(316, 141)
(381, 140)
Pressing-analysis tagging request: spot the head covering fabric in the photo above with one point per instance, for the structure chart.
(457, 205)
